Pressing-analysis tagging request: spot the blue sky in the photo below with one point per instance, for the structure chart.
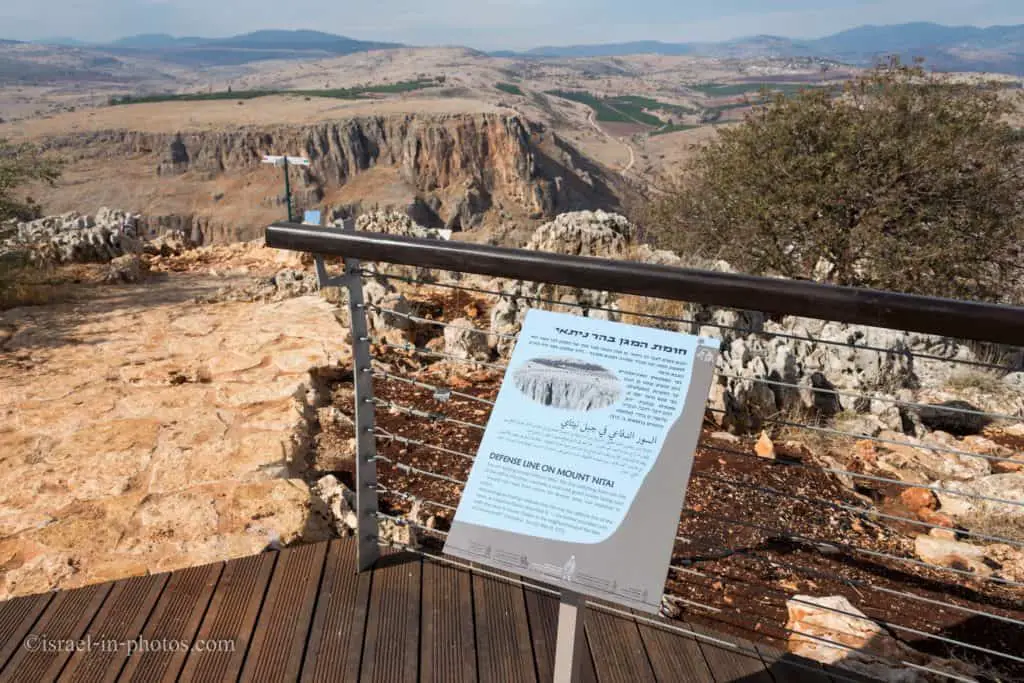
(491, 24)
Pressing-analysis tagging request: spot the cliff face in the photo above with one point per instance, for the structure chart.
(455, 167)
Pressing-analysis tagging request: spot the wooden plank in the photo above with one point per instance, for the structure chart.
(279, 641)
(391, 650)
(730, 664)
(17, 617)
(231, 619)
(448, 650)
(65, 619)
(116, 625)
(674, 656)
(542, 610)
(171, 629)
(617, 648)
(784, 666)
(503, 644)
(335, 646)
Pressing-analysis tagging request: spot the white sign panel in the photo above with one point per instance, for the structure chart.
(580, 476)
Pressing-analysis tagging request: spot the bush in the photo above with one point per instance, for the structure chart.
(904, 182)
(20, 164)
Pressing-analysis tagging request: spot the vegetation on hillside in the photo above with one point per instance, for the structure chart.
(509, 88)
(335, 93)
(905, 182)
(21, 164)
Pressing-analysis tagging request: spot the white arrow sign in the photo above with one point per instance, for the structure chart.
(292, 161)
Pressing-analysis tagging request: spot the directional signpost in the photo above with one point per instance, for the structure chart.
(580, 476)
(285, 161)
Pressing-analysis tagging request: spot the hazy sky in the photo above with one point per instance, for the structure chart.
(489, 24)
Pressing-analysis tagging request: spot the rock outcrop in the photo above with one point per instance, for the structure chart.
(454, 167)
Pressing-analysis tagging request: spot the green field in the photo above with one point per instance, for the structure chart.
(674, 128)
(335, 93)
(737, 89)
(612, 109)
(510, 89)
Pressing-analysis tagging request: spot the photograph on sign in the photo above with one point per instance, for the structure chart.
(580, 477)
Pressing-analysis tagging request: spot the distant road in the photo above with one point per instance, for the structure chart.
(632, 155)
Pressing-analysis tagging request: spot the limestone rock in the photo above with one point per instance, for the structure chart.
(339, 502)
(919, 499)
(584, 233)
(127, 268)
(764, 448)
(860, 644)
(952, 554)
(462, 341)
(1008, 487)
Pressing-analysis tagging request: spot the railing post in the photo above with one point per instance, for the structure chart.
(368, 548)
(571, 643)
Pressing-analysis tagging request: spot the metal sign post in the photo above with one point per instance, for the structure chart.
(571, 645)
(283, 161)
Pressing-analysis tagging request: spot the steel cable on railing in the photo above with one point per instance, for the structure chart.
(383, 433)
(416, 470)
(686, 321)
(763, 588)
(838, 547)
(410, 348)
(867, 477)
(864, 513)
(398, 378)
(855, 583)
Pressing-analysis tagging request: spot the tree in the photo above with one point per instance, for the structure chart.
(904, 181)
(20, 164)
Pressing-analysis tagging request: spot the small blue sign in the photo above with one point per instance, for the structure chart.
(311, 218)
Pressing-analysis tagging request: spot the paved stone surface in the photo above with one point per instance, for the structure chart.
(142, 432)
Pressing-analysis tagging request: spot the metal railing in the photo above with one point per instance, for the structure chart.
(418, 422)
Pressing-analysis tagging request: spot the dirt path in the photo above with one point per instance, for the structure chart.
(596, 126)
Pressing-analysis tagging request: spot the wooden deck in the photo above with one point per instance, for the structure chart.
(304, 614)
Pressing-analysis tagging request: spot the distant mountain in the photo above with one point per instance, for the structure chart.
(63, 41)
(259, 41)
(611, 50)
(944, 48)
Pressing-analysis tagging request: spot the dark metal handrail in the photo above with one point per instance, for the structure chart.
(927, 315)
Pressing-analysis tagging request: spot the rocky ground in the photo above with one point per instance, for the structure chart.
(145, 432)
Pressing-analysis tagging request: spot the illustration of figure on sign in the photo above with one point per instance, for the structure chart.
(569, 570)
(705, 355)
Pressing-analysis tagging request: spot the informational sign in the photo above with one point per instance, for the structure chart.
(580, 476)
(311, 218)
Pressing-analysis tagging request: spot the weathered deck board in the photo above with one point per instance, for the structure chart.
(335, 647)
(674, 656)
(232, 618)
(279, 641)
(121, 618)
(742, 663)
(542, 609)
(17, 617)
(305, 614)
(171, 628)
(503, 644)
(66, 618)
(448, 648)
(391, 651)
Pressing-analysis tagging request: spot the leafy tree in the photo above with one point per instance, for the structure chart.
(20, 164)
(905, 181)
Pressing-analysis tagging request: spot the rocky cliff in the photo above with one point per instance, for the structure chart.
(450, 170)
